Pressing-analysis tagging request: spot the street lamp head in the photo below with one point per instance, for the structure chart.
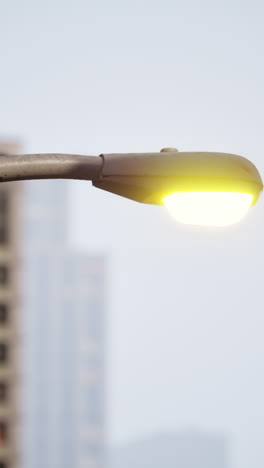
(197, 188)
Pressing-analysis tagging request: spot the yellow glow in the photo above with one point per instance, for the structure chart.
(208, 208)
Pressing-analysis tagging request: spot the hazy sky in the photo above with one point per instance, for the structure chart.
(185, 314)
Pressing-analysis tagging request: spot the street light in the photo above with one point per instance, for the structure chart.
(197, 187)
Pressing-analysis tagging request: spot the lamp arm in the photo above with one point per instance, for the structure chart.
(49, 166)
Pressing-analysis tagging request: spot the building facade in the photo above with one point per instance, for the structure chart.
(64, 338)
(9, 319)
(187, 449)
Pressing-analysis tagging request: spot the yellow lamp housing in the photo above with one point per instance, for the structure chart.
(198, 188)
(150, 177)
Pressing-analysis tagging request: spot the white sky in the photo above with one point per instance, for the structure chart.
(185, 313)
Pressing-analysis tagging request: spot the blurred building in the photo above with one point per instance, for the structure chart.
(64, 410)
(9, 329)
(183, 450)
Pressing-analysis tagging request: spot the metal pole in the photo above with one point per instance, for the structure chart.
(49, 166)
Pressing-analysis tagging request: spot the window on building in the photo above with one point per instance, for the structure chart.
(3, 217)
(3, 433)
(3, 274)
(3, 203)
(3, 352)
(3, 314)
(3, 234)
(3, 393)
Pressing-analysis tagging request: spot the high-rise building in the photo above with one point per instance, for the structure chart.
(188, 449)
(9, 328)
(64, 339)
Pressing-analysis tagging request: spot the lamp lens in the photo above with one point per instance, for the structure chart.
(208, 208)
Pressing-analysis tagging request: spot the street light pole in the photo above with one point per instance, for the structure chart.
(202, 188)
(49, 166)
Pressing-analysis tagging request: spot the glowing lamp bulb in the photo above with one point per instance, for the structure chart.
(208, 208)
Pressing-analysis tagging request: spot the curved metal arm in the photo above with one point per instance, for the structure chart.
(49, 166)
